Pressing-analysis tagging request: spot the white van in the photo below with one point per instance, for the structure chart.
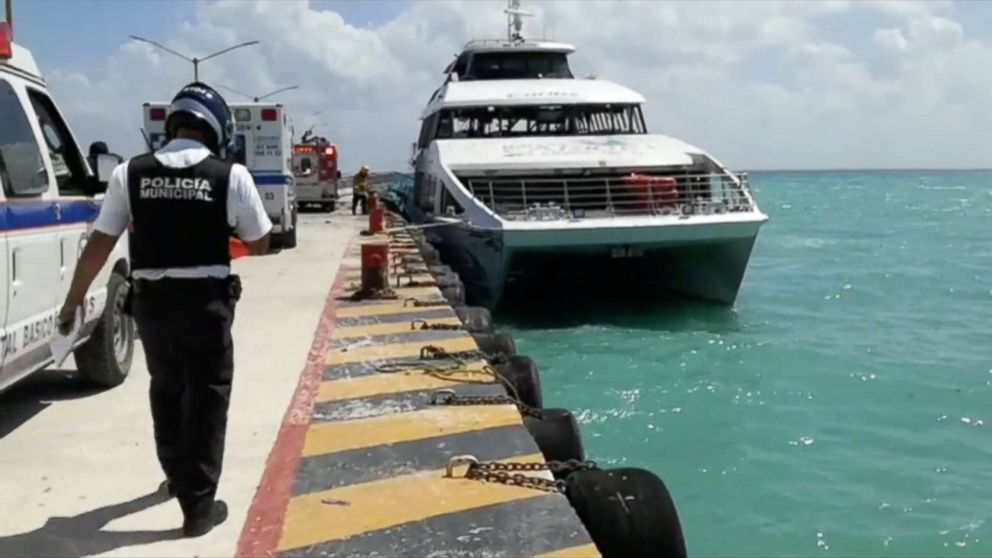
(263, 143)
(49, 199)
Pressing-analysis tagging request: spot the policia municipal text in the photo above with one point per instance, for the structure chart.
(181, 205)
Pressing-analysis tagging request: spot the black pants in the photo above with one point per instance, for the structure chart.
(185, 327)
(355, 199)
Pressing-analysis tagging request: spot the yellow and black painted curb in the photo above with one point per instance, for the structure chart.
(358, 467)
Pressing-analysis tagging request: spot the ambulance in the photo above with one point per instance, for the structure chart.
(263, 142)
(315, 164)
(50, 194)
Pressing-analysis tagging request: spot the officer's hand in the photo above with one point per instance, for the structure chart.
(67, 316)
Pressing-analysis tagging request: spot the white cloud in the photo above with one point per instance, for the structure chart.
(758, 84)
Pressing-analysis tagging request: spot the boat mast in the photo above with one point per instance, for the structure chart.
(514, 20)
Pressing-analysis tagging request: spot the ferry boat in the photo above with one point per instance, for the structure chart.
(530, 176)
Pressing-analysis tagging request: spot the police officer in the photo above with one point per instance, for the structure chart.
(181, 205)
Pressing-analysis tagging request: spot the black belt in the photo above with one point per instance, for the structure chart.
(169, 286)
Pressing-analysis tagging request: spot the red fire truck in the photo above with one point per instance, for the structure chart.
(315, 165)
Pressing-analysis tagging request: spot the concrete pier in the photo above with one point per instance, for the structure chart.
(329, 453)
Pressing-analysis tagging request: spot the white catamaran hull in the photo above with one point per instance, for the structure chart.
(703, 257)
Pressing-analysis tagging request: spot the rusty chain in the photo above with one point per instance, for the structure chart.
(449, 397)
(434, 352)
(423, 324)
(411, 283)
(418, 303)
(373, 294)
(509, 473)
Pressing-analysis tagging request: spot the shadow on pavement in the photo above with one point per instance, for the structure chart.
(83, 535)
(37, 392)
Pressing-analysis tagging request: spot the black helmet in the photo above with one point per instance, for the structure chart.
(201, 107)
(98, 148)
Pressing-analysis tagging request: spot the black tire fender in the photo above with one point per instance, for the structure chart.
(628, 512)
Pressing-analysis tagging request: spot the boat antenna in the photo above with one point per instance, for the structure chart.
(514, 20)
(9, 15)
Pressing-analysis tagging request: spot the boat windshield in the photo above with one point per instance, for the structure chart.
(568, 120)
(517, 65)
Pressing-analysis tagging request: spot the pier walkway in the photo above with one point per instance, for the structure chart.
(346, 458)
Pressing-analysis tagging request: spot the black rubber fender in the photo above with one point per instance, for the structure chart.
(430, 254)
(557, 435)
(448, 280)
(476, 319)
(440, 269)
(454, 294)
(521, 373)
(628, 512)
(496, 343)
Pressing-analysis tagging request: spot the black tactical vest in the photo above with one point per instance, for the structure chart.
(178, 216)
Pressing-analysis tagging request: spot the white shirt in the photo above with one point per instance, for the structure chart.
(245, 212)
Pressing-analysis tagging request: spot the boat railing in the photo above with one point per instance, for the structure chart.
(591, 197)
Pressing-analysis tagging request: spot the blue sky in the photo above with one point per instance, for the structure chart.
(770, 84)
(52, 28)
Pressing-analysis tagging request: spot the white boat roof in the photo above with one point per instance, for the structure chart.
(565, 152)
(517, 92)
(497, 45)
(22, 63)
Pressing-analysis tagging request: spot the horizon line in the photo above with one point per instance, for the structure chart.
(838, 169)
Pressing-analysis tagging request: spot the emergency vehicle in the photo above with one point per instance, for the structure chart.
(49, 198)
(263, 143)
(315, 164)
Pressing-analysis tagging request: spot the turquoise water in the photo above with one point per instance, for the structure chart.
(840, 408)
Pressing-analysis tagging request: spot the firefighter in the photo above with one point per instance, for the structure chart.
(180, 205)
(360, 190)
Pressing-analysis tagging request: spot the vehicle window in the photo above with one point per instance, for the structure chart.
(67, 161)
(21, 167)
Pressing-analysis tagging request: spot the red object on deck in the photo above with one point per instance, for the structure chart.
(238, 249)
(654, 192)
(377, 215)
(375, 266)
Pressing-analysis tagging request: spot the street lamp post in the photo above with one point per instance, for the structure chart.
(195, 60)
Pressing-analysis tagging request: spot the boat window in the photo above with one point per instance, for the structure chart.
(517, 65)
(427, 130)
(448, 204)
(489, 122)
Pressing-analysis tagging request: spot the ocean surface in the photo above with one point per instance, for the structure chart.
(843, 407)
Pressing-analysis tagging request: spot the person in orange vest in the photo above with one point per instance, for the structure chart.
(360, 190)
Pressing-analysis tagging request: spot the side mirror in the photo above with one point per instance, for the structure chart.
(339, 174)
